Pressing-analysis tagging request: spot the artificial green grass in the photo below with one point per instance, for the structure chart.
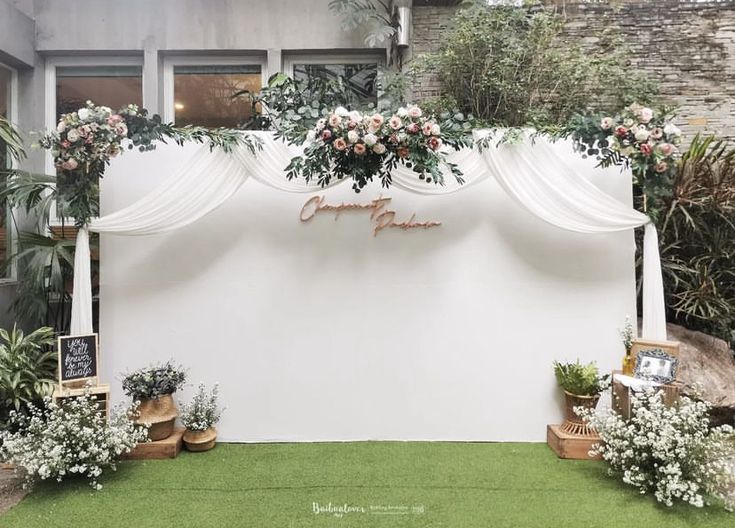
(275, 485)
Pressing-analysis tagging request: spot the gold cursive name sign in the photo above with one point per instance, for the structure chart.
(379, 213)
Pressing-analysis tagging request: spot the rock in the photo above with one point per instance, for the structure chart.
(707, 362)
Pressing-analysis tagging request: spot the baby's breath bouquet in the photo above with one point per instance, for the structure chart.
(203, 411)
(671, 452)
(69, 438)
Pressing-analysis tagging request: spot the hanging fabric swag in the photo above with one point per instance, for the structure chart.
(541, 176)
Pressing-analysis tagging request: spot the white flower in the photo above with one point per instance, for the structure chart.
(379, 148)
(355, 116)
(311, 135)
(436, 130)
(642, 135)
(670, 129)
(352, 136)
(341, 111)
(370, 139)
(320, 124)
(402, 112)
(83, 114)
(61, 127)
(415, 112)
(73, 135)
(645, 115)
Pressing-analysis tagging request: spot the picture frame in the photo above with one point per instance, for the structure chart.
(641, 345)
(656, 365)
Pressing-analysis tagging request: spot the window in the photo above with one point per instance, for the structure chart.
(359, 72)
(7, 110)
(201, 90)
(113, 86)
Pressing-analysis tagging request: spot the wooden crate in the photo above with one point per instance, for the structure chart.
(568, 446)
(102, 392)
(167, 448)
(621, 395)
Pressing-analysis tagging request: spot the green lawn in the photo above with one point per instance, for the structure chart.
(431, 484)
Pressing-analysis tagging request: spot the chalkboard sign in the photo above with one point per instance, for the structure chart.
(78, 359)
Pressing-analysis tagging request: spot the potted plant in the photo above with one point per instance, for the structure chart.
(152, 387)
(582, 385)
(199, 418)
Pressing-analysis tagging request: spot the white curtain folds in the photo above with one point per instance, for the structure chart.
(541, 176)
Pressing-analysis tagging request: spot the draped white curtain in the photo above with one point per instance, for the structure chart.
(541, 176)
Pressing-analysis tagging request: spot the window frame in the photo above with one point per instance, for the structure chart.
(291, 59)
(10, 227)
(90, 61)
(168, 113)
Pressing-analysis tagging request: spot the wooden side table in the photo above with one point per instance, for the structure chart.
(621, 400)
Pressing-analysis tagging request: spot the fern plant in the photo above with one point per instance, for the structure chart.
(580, 380)
(28, 366)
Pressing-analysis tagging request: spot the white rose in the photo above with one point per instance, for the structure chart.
(83, 114)
(61, 127)
(642, 135)
(670, 129)
(415, 112)
(73, 135)
(645, 115)
(402, 112)
(370, 140)
(379, 148)
(436, 130)
(341, 111)
(352, 136)
(355, 116)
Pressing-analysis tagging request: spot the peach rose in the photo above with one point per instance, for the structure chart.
(359, 149)
(395, 122)
(340, 144)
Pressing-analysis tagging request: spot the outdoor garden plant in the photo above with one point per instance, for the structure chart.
(579, 379)
(74, 437)
(28, 365)
(671, 452)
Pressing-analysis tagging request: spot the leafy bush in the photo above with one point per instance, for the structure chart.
(203, 411)
(27, 370)
(154, 381)
(669, 451)
(73, 437)
(514, 67)
(581, 380)
(696, 226)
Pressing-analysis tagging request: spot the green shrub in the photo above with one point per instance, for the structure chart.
(27, 370)
(513, 66)
(582, 380)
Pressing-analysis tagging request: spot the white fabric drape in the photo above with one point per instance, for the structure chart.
(537, 174)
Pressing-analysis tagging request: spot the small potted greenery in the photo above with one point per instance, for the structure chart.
(153, 387)
(199, 417)
(582, 385)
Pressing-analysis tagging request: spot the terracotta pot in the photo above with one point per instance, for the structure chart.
(200, 440)
(573, 424)
(160, 413)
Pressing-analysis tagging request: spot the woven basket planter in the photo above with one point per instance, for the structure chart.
(200, 440)
(573, 424)
(160, 414)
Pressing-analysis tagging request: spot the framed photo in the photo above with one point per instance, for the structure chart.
(643, 345)
(656, 365)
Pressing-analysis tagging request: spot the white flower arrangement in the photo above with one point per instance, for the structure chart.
(69, 438)
(671, 452)
(203, 411)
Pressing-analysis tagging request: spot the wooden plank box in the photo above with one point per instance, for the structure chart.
(167, 448)
(568, 446)
(102, 392)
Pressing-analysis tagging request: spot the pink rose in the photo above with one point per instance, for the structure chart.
(426, 129)
(359, 149)
(376, 120)
(414, 112)
(667, 149)
(326, 134)
(645, 115)
(340, 144)
(620, 131)
(351, 125)
(646, 149)
(65, 144)
(661, 166)
(334, 120)
(435, 143)
(70, 164)
(413, 128)
(395, 122)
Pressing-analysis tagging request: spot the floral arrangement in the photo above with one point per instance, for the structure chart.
(365, 146)
(69, 438)
(85, 142)
(671, 452)
(580, 380)
(154, 381)
(203, 411)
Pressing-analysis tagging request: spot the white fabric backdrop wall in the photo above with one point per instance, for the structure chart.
(320, 331)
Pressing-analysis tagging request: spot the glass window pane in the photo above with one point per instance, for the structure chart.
(203, 95)
(360, 78)
(5, 231)
(113, 86)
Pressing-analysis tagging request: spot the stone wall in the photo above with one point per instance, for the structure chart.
(687, 46)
